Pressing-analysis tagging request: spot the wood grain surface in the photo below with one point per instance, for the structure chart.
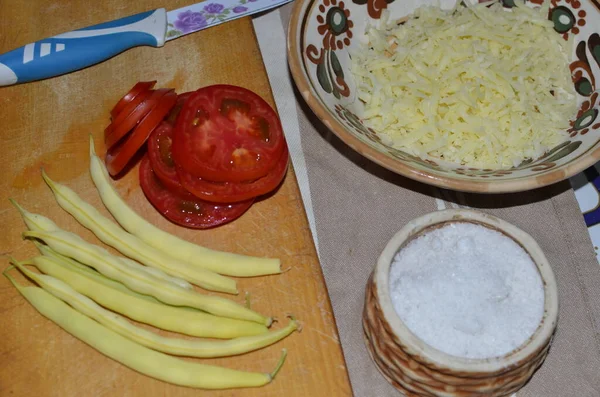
(46, 124)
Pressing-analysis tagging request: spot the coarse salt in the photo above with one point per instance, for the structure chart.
(467, 290)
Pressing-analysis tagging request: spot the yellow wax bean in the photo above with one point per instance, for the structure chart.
(133, 247)
(73, 246)
(142, 308)
(33, 221)
(179, 282)
(72, 265)
(135, 356)
(38, 222)
(179, 347)
(201, 257)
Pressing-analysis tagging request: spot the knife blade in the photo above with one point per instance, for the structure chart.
(78, 49)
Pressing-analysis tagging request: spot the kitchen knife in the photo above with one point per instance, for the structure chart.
(81, 48)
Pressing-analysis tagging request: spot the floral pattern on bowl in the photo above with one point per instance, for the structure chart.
(322, 32)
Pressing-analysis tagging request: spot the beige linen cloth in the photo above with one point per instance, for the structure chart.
(356, 206)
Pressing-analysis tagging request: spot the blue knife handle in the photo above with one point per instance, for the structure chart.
(81, 48)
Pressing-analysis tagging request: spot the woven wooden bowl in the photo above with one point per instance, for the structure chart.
(418, 369)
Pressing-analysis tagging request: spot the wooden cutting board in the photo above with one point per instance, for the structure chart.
(46, 124)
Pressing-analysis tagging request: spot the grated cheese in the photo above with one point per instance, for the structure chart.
(478, 85)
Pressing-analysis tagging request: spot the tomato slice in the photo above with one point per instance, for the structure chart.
(119, 155)
(127, 110)
(120, 129)
(230, 192)
(172, 117)
(136, 90)
(188, 211)
(227, 134)
(159, 153)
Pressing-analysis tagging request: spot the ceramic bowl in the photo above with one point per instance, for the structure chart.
(418, 369)
(321, 32)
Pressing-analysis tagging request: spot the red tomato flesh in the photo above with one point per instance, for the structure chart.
(227, 134)
(188, 211)
(119, 129)
(119, 155)
(126, 112)
(181, 98)
(136, 90)
(230, 192)
(159, 153)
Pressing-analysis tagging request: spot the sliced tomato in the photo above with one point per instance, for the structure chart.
(119, 155)
(188, 210)
(119, 129)
(136, 90)
(227, 134)
(127, 111)
(230, 192)
(159, 153)
(181, 98)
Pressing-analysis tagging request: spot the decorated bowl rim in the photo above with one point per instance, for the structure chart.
(540, 338)
(295, 56)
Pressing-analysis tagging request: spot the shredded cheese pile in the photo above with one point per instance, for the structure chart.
(481, 86)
